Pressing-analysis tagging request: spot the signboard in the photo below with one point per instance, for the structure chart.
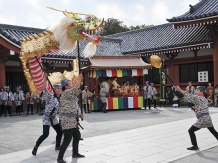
(203, 76)
(163, 82)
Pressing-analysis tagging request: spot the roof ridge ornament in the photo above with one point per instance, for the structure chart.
(191, 10)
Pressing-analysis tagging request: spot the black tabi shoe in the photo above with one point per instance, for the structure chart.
(57, 148)
(80, 138)
(78, 156)
(61, 161)
(193, 148)
(34, 151)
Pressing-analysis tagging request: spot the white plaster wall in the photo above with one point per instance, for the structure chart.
(185, 54)
(61, 65)
(163, 56)
(205, 52)
(12, 63)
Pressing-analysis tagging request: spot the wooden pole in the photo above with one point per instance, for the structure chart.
(78, 53)
(48, 79)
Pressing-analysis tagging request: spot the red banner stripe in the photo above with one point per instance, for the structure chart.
(110, 103)
(139, 72)
(135, 102)
(114, 73)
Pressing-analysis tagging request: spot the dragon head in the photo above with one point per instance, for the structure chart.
(74, 28)
(82, 29)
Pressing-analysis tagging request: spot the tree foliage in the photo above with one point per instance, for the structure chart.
(139, 26)
(113, 26)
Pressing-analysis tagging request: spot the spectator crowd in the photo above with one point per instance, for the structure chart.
(15, 101)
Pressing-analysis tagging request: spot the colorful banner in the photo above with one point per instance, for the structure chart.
(114, 103)
(118, 73)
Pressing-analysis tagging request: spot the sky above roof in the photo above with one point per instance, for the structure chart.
(33, 13)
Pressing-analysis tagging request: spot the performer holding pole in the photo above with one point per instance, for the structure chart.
(190, 89)
(68, 117)
(202, 113)
(63, 36)
(50, 118)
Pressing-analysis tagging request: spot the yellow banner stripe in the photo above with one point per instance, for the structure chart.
(115, 103)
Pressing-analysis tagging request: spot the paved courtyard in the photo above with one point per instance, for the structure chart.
(133, 136)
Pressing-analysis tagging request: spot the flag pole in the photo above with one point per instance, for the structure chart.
(78, 54)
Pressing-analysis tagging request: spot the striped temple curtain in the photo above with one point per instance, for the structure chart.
(189, 72)
(14, 80)
(117, 73)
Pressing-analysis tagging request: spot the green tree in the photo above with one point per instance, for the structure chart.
(113, 26)
(134, 27)
(140, 26)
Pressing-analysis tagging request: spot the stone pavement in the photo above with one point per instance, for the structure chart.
(159, 143)
(28, 129)
(207, 156)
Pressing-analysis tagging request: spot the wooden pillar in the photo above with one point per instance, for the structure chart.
(143, 81)
(132, 81)
(173, 72)
(176, 74)
(86, 79)
(170, 72)
(4, 57)
(215, 61)
(89, 81)
(2, 73)
(96, 86)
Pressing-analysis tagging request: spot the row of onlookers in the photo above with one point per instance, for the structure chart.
(8, 99)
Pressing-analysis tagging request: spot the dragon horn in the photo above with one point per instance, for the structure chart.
(72, 13)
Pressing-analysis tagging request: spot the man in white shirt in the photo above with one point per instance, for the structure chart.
(147, 95)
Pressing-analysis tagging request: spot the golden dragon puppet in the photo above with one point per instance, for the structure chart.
(63, 36)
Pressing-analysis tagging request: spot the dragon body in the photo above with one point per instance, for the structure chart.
(63, 36)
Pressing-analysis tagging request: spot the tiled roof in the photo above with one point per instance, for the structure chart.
(116, 62)
(203, 9)
(14, 34)
(161, 37)
(147, 40)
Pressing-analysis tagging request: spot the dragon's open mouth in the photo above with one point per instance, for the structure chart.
(88, 37)
(87, 34)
